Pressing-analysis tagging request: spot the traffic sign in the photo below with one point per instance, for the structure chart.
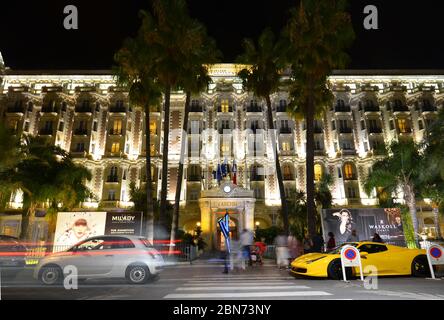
(435, 257)
(350, 257)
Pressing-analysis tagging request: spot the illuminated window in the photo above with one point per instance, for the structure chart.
(348, 171)
(317, 172)
(115, 148)
(224, 105)
(402, 125)
(152, 149)
(117, 127)
(153, 127)
(288, 173)
(286, 146)
(13, 125)
(225, 147)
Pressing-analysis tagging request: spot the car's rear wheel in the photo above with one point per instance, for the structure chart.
(420, 267)
(138, 274)
(51, 275)
(334, 270)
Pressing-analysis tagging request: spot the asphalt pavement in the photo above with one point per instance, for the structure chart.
(204, 279)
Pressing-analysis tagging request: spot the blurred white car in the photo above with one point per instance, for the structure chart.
(100, 257)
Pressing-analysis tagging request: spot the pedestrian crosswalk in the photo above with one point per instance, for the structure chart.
(242, 287)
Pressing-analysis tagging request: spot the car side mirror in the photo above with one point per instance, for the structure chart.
(364, 254)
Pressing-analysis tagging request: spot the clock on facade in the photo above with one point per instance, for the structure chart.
(227, 189)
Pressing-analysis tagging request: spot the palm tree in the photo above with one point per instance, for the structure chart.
(433, 176)
(400, 169)
(195, 79)
(172, 40)
(134, 70)
(318, 32)
(263, 78)
(48, 178)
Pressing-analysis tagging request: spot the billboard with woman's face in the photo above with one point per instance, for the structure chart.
(385, 222)
(73, 227)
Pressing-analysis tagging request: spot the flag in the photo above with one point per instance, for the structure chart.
(219, 173)
(225, 168)
(234, 171)
(224, 224)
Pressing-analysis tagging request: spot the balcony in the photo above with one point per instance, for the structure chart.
(281, 109)
(115, 132)
(288, 177)
(407, 130)
(112, 179)
(285, 130)
(80, 132)
(351, 177)
(374, 130)
(345, 130)
(256, 177)
(342, 108)
(348, 152)
(286, 152)
(319, 152)
(196, 109)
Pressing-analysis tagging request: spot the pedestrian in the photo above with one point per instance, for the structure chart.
(292, 247)
(308, 244)
(353, 237)
(331, 243)
(246, 239)
(260, 250)
(281, 251)
(377, 238)
(318, 243)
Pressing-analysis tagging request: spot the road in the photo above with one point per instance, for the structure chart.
(204, 280)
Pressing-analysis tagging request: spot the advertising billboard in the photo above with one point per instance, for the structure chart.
(73, 227)
(366, 221)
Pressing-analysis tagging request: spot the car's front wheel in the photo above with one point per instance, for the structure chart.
(420, 267)
(334, 270)
(137, 274)
(51, 275)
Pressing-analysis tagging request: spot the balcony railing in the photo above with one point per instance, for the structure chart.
(256, 177)
(219, 109)
(318, 130)
(351, 177)
(429, 108)
(405, 130)
(196, 109)
(281, 109)
(288, 177)
(115, 132)
(49, 109)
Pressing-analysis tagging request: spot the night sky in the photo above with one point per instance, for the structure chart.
(33, 37)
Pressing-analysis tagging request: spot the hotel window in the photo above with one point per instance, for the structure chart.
(61, 126)
(95, 126)
(402, 125)
(339, 173)
(13, 125)
(288, 173)
(117, 127)
(26, 126)
(286, 146)
(225, 147)
(348, 171)
(392, 125)
(333, 125)
(318, 145)
(111, 195)
(194, 126)
(153, 127)
(115, 147)
(351, 193)
(421, 124)
(93, 148)
(80, 147)
(317, 172)
(152, 149)
(224, 106)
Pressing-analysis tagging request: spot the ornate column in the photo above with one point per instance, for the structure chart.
(206, 221)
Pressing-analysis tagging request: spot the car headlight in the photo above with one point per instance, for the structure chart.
(311, 261)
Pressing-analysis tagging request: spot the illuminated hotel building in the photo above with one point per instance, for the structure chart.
(85, 113)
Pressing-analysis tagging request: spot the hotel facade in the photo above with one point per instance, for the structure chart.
(86, 114)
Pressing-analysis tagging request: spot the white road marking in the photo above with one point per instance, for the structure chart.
(223, 288)
(245, 294)
(230, 283)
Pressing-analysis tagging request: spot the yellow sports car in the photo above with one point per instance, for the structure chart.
(389, 260)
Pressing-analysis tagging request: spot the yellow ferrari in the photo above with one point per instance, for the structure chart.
(389, 260)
